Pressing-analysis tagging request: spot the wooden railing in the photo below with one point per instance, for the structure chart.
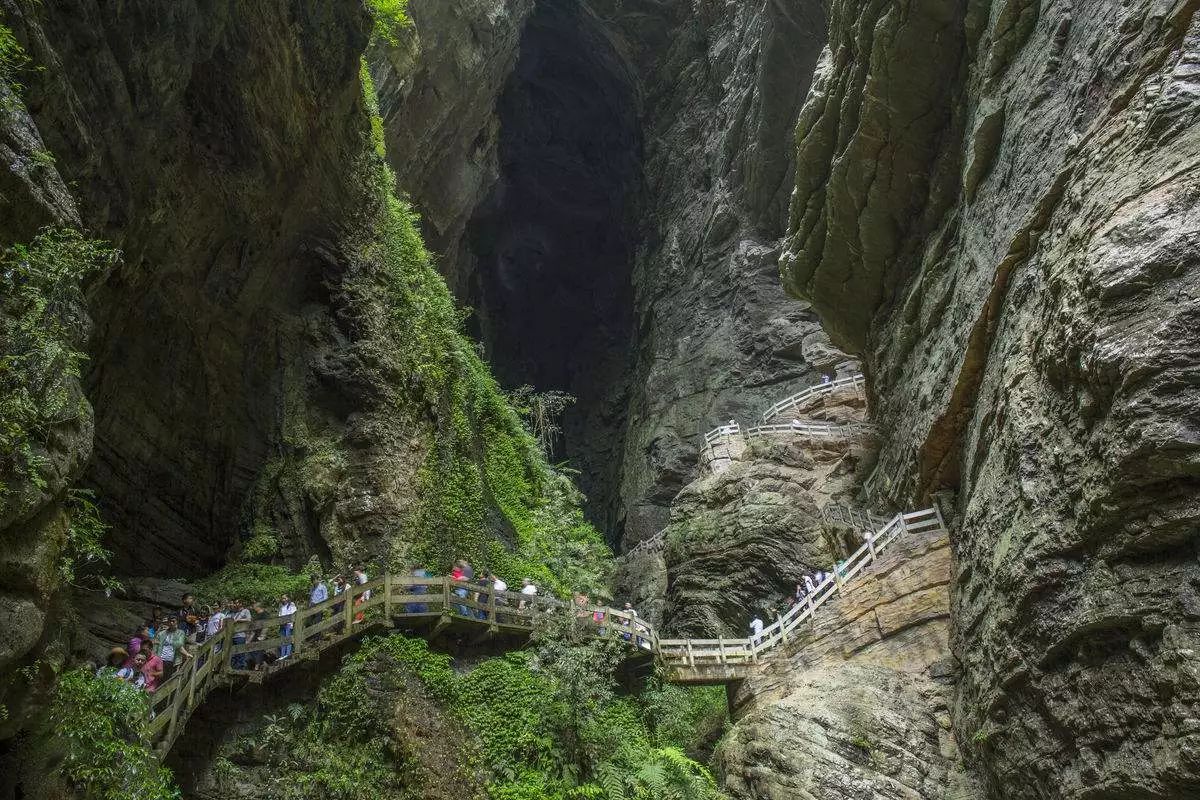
(726, 443)
(788, 404)
(824, 430)
(721, 660)
(237, 650)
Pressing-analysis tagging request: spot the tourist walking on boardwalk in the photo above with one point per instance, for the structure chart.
(756, 629)
(241, 614)
(360, 577)
(187, 608)
(459, 573)
(339, 588)
(287, 610)
(419, 608)
(117, 657)
(149, 665)
(528, 591)
(318, 593)
(139, 638)
(170, 646)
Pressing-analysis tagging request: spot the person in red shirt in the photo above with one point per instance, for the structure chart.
(153, 668)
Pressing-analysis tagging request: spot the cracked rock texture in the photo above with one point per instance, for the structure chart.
(997, 209)
(858, 706)
(740, 540)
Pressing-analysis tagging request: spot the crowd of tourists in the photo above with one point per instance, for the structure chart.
(169, 640)
(806, 591)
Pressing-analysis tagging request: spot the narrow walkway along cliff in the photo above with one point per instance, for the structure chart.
(729, 400)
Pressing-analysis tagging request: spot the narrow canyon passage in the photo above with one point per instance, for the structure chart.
(551, 246)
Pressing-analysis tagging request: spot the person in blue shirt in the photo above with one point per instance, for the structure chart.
(319, 592)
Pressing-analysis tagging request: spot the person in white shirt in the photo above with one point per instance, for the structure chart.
(215, 625)
(287, 610)
(756, 629)
(528, 590)
(360, 577)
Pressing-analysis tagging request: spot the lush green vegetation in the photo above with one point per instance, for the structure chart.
(12, 59)
(97, 729)
(84, 558)
(252, 583)
(391, 17)
(546, 724)
(40, 305)
(488, 493)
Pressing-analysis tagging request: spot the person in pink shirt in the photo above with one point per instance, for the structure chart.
(153, 666)
(135, 644)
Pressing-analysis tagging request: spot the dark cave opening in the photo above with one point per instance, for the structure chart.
(553, 245)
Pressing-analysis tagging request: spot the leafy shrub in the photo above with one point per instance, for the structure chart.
(41, 303)
(12, 59)
(391, 17)
(251, 582)
(99, 728)
(262, 545)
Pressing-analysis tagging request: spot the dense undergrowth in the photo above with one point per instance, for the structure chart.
(514, 727)
(41, 301)
(95, 739)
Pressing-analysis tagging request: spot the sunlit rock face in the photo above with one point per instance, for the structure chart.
(996, 206)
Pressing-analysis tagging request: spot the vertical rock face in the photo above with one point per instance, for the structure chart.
(642, 165)
(740, 540)
(220, 233)
(438, 87)
(859, 704)
(1021, 226)
(716, 337)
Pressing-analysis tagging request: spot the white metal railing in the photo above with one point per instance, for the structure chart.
(824, 430)
(787, 404)
(863, 521)
(693, 653)
(655, 544)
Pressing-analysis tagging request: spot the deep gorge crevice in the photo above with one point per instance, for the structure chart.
(550, 248)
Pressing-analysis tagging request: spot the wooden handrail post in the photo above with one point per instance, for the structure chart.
(297, 633)
(493, 619)
(348, 609)
(387, 597)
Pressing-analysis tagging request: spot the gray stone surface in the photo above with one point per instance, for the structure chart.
(1024, 244)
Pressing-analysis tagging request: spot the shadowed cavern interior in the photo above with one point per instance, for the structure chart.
(553, 242)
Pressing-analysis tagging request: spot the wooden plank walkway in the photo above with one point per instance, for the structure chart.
(398, 601)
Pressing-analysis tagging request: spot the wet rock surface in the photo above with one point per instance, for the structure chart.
(1033, 341)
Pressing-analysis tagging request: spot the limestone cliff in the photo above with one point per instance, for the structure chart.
(996, 208)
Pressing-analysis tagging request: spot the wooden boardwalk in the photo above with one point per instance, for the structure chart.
(437, 604)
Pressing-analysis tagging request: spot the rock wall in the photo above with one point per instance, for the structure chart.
(859, 704)
(720, 84)
(997, 209)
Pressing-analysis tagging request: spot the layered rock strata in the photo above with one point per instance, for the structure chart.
(997, 209)
(858, 705)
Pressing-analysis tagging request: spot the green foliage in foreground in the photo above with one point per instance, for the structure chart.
(524, 740)
(41, 301)
(12, 59)
(98, 728)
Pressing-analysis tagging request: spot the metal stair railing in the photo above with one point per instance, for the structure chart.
(789, 403)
